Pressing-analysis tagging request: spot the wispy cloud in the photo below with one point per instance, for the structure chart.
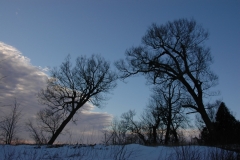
(23, 81)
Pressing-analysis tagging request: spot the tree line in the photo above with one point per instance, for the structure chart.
(174, 60)
(152, 128)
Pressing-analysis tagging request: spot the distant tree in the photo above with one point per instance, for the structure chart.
(69, 88)
(10, 124)
(175, 52)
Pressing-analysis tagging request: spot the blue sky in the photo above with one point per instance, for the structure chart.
(45, 32)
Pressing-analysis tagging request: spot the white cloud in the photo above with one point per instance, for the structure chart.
(23, 81)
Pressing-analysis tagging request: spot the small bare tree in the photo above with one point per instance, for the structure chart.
(9, 124)
(116, 133)
(49, 122)
(36, 133)
(165, 113)
(173, 115)
(69, 88)
(134, 127)
(45, 127)
(152, 119)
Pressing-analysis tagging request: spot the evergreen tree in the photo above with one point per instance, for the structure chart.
(226, 126)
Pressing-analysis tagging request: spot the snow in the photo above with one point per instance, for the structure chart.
(111, 152)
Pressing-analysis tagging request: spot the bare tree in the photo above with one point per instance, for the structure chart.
(116, 133)
(175, 52)
(45, 127)
(9, 124)
(36, 133)
(49, 122)
(134, 127)
(165, 113)
(69, 88)
(152, 119)
(173, 116)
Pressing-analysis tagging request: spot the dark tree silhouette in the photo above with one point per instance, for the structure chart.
(69, 88)
(175, 52)
(165, 110)
(133, 126)
(152, 119)
(227, 127)
(36, 133)
(47, 125)
(223, 116)
(211, 111)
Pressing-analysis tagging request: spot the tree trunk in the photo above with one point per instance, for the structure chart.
(154, 135)
(142, 138)
(59, 130)
(167, 133)
(168, 129)
(175, 136)
(169, 120)
(198, 98)
(207, 121)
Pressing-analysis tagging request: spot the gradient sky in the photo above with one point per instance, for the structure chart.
(45, 32)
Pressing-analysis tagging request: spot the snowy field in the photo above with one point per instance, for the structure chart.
(118, 152)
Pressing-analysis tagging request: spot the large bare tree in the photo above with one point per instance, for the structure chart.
(69, 88)
(175, 52)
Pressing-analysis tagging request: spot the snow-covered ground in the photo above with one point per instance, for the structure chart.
(117, 152)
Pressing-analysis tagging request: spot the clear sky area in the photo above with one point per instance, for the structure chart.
(40, 34)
